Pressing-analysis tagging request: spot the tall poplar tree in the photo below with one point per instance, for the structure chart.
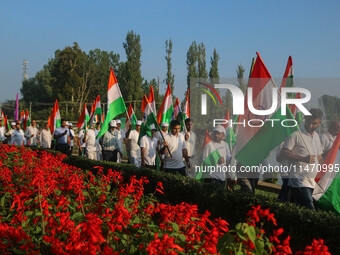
(170, 78)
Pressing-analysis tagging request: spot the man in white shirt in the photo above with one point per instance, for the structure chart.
(190, 141)
(160, 137)
(45, 137)
(98, 147)
(217, 144)
(175, 143)
(109, 143)
(18, 136)
(31, 134)
(90, 141)
(62, 136)
(305, 150)
(135, 152)
(9, 134)
(121, 138)
(328, 138)
(2, 131)
(148, 144)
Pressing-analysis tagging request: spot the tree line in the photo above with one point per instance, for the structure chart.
(75, 76)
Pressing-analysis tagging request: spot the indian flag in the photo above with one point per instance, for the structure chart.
(22, 118)
(177, 110)
(51, 121)
(327, 189)
(115, 103)
(186, 112)
(27, 121)
(92, 114)
(210, 155)
(255, 143)
(288, 81)
(152, 100)
(230, 138)
(57, 118)
(149, 118)
(98, 108)
(131, 119)
(84, 118)
(165, 112)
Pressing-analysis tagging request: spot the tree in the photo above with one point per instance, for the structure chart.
(213, 73)
(170, 78)
(192, 56)
(240, 72)
(130, 77)
(202, 65)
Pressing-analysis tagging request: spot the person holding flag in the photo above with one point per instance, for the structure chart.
(109, 143)
(9, 134)
(135, 151)
(328, 138)
(62, 136)
(45, 137)
(148, 144)
(121, 138)
(304, 150)
(174, 149)
(2, 131)
(190, 141)
(18, 136)
(31, 134)
(216, 153)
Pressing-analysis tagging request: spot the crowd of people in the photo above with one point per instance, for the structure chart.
(174, 151)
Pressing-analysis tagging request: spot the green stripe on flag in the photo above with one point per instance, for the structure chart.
(266, 139)
(330, 200)
(211, 160)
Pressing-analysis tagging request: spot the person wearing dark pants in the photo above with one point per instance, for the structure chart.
(62, 136)
(174, 149)
(303, 148)
(110, 145)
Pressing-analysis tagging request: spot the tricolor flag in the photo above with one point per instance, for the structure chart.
(27, 121)
(22, 118)
(255, 143)
(230, 138)
(210, 155)
(115, 103)
(177, 113)
(3, 118)
(165, 112)
(327, 189)
(131, 119)
(288, 81)
(149, 118)
(57, 117)
(91, 119)
(84, 118)
(6, 123)
(152, 100)
(51, 121)
(186, 112)
(98, 108)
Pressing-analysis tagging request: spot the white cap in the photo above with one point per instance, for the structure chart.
(113, 123)
(138, 122)
(70, 124)
(153, 127)
(13, 124)
(164, 124)
(220, 129)
(118, 122)
(67, 124)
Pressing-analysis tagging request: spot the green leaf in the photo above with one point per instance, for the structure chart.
(29, 213)
(3, 201)
(182, 237)
(174, 226)
(76, 216)
(250, 231)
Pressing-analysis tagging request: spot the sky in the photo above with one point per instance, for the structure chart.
(309, 31)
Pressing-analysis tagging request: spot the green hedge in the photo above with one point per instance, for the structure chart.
(302, 224)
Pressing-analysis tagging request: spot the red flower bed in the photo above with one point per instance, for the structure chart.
(50, 207)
